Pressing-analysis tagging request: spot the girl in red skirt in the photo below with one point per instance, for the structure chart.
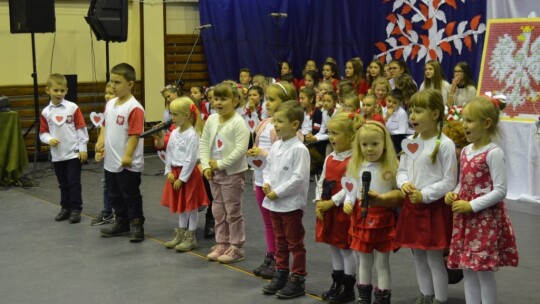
(372, 233)
(482, 238)
(332, 223)
(427, 171)
(184, 191)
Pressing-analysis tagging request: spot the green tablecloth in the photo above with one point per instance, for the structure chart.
(13, 156)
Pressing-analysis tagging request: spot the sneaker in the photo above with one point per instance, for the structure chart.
(178, 237)
(189, 242)
(136, 230)
(232, 255)
(103, 218)
(217, 251)
(75, 217)
(119, 227)
(62, 215)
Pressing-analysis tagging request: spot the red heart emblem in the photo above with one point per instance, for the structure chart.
(257, 162)
(97, 119)
(219, 143)
(349, 186)
(412, 147)
(59, 118)
(251, 124)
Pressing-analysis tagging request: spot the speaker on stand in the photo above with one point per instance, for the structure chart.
(33, 16)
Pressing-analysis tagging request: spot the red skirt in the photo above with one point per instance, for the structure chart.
(334, 229)
(376, 232)
(424, 226)
(192, 194)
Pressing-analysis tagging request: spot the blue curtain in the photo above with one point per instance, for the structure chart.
(244, 35)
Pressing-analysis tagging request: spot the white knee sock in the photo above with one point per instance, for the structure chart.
(438, 273)
(337, 260)
(365, 265)
(423, 274)
(488, 286)
(382, 264)
(472, 287)
(193, 219)
(349, 261)
(183, 219)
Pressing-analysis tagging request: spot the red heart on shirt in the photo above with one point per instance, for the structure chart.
(219, 143)
(251, 123)
(59, 118)
(349, 186)
(412, 147)
(257, 163)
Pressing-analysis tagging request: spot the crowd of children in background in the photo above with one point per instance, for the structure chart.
(374, 125)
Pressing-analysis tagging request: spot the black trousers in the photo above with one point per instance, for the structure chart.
(124, 193)
(68, 173)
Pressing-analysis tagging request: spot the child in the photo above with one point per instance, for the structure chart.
(286, 183)
(482, 238)
(425, 175)
(330, 72)
(277, 93)
(254, 104)
(245, 77)
(311, 67)
(397, 121)
(351, 104)
(332, 223)
(170, 93)
(375, 70)
(313, 118)
(184, 192)
(373, 235)
(106, 215)
(434, 79)
(463, 88)
(287, 73)
(224, 143)
(381, 88)
(371, 109)
(197, 93)
(119, 142)
(311, 80)
(63, 128)
(329, 101)
(405, 83)
(354, 71)
(210, 97)
(323, 88)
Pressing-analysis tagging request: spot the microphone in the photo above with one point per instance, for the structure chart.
(164, 126)
(366, 180)
(202, 27)
(279, 15)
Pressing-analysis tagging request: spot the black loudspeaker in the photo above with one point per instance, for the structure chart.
(72, 87)
(32, 16)
(108, 19)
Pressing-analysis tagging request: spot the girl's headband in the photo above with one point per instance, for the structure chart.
(284, 90)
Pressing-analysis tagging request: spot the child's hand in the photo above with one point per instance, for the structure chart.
(309, 138)
(416, 197)
(83, 156)
(348, 208)
(100, 147)
(407, 188)
(158, 135)
(53, 142)
(462, 206)
(177, 184)
(208, 174)
(266, 188)
(213, 165)
(127, 161)
(450, 198)
(325, 205)
(170, 177)
(272, 195)
(99, 156)
(254, 152)
(319, 214)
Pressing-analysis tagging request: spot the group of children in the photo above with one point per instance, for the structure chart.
(352, 143)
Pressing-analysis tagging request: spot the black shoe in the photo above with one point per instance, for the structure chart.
(118, 228)
(103, 218)
(345, 292)
(75, 217)
(337, 280)
(62, 215)
(136, 230)
(295, 287)
(278, 282)
(267, 268)
(209, 229)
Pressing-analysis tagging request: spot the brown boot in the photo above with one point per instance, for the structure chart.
(178, 236)
(189, 242)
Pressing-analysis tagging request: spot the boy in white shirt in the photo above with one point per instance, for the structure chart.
(286, 183)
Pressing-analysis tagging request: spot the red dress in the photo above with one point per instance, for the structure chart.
(192, 194)
(334, 228)
(483, 240)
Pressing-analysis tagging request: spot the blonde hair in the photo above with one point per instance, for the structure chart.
(482, 108)
(378, 109)
(285, 90)
(57, 79)
(348, 122)
(185, 105)
(430, 99)
(381, 81)
(388, 160)
(354, 99)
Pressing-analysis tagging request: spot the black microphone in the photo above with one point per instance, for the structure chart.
(366, 180)
(202, 27)
(164, 126)
(279, 15)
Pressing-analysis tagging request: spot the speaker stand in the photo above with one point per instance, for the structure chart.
(180, 82)
(107, 74)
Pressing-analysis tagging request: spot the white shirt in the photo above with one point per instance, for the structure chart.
(306, 124)
(495, 162)
(378, 184)
(339, 197)
(398, 122)
(445, 90)
(264, 143)
(323, 132)
(182, 151)
(464, 95)
(287, 173)
(434, 180)
(71, 132)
